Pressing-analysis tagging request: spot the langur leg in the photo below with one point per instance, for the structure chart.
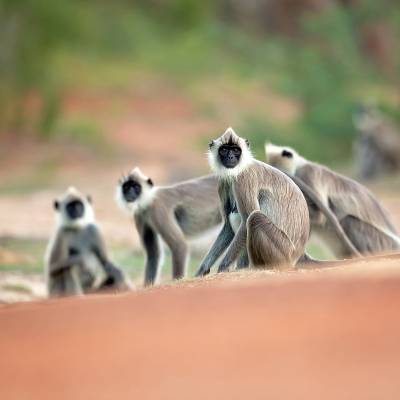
(366, 238)
(219, 246)
(180, 258)
(56, 287)
(72, 282)
(268, 246)
(154, 256)
(87, 279)
(175, 240)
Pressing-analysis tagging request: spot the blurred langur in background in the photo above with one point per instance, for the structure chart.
(361, 216)
(377, 146)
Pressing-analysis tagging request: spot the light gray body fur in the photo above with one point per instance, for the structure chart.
(363, 219)
(274, 224)
(76, 259)
(174, 214)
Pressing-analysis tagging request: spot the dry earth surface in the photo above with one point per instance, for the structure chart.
(331, 334)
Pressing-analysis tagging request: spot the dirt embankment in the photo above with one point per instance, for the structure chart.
(319, 335)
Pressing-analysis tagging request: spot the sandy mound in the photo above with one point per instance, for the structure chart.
(329, 334)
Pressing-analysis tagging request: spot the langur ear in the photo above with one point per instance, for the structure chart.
(287, 154)
(56, 205)
(211, 144)
(150, 182)
(89, 198)
(247, 142)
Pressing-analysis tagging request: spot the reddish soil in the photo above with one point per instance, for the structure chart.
(317, 335)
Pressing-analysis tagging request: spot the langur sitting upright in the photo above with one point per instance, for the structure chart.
(274, 225)
(171, 213)
(362, 218)
(76, 258)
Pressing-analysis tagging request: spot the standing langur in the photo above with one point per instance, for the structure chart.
(76, 258)
(171, 213)
(362, 218)
(274, 225)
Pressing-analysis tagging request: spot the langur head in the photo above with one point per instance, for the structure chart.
(134, 190)
(74, 209)
(366, 116)
(229, 155)
(285, 159)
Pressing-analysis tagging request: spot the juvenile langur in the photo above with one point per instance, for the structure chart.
(171, 213)
(274, 225)
(76, 258)
(377, 146)
(362, 218)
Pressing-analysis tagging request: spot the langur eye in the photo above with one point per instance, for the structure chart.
(237, 151)
(287, 154)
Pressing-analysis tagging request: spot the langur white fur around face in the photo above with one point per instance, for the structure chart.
(63, 218)
(140, 197)
(221, 171)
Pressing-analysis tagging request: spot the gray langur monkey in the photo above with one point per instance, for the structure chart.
(377, 146)
(76, 258)
(362, 218)
(274, 225)
(169, 213)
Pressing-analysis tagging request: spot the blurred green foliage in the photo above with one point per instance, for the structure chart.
(31, 32)
(49, 46)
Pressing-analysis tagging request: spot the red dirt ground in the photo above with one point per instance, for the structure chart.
(313, 335)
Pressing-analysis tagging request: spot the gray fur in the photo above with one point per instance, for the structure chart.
(77, 261)
(317, 209)
(359, 213)
(274, 216)
(174, 214)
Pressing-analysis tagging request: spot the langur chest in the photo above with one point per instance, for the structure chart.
(77, 243)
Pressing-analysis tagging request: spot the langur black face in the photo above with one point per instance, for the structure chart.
(75, 209)
(229, 155)
(131, 190)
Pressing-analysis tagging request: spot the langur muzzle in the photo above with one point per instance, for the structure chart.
(229, 155)
(75, 209)
(131, 190)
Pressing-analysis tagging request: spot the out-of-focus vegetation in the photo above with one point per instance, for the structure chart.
(326, 56)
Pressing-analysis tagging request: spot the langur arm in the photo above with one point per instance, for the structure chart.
(246, 205)
(98, 248)
(221, 243)
(330, 216)
(224, 237)
(59, 262)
